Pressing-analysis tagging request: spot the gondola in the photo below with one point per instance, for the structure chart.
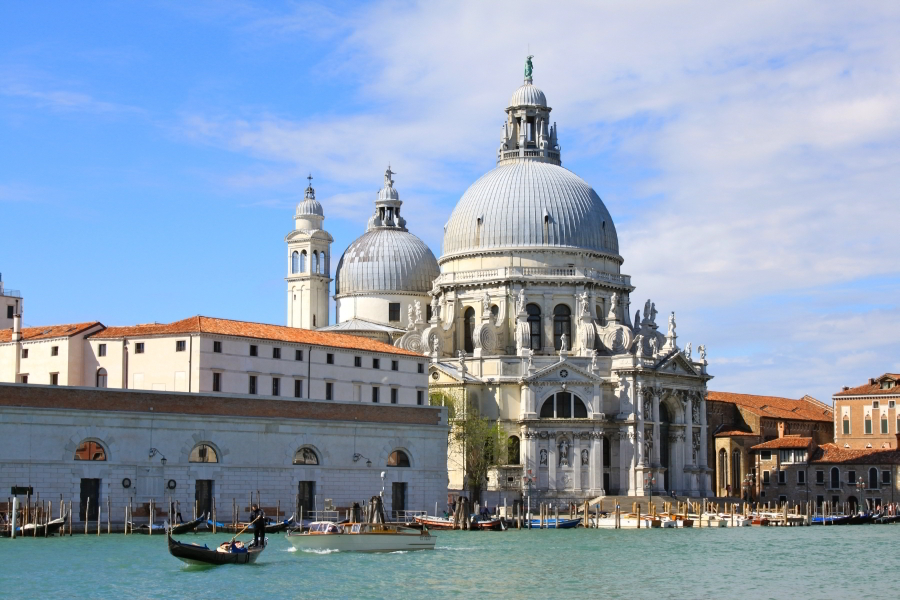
(271, 527)
(147, 529)
(189, 526)
(40, 530)
(195, 554)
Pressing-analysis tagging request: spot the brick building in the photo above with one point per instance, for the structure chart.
(866, 416)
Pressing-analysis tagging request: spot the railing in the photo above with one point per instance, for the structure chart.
(534, 273)
(551, 155)
(321, 515)
(406, 516)
(12, 293)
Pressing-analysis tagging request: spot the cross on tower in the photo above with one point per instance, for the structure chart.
(310, 178)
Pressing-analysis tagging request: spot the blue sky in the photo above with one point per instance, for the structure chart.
(152, 153)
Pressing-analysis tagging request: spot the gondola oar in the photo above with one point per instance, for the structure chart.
(245, 528)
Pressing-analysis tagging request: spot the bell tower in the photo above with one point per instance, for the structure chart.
(308, 265)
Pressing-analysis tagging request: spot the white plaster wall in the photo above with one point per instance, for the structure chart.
(376, 307)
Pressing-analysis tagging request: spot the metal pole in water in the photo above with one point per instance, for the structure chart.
(15, 510)
(108, 516)
(213, 514)
(87, 508)
(151, 517)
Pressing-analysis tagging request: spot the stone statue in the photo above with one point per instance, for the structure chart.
(653, 313)
(637, 319)
(654, 347)
(564, 453)
(486, 304)
(594, 359)
(520, 302)
(529, 68)
(647, 310)
(530, 362)
(701, 351)
(672, 324)
(687, 351)
(436, 344)
(461, 356)
(583, 304)
(543, 457)
(563, 343)
(410, 313)
(584, 457)
(434, 307)
(388, 182)
(614, 304)
(639, 345)
(418, 312)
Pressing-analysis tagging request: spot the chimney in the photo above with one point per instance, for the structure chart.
(845, 388)
(871, 381)
(17, 325)
(780, 429)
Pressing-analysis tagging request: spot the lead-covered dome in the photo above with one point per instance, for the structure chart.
(530, 204)
(528, 95)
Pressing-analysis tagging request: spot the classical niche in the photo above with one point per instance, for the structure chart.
(485, 338)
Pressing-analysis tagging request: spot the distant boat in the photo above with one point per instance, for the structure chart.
(271, 526)
(39, 530)
(361, 537)
(189, 526)
(435, 522)
(225, 554)
(552, 523)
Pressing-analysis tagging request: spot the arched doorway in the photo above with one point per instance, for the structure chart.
(664, 421)
(854, 503)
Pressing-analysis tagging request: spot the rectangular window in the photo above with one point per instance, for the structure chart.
(820, 477)
(298, 388)
(820, 500)
(891, 404)
(139, 348)
(276, 352)
(54, 350)
(765, 478)
(801, 477)
(782, 499)
(54, 378)
(329, 358)
(868, 426)
(254, 350)
(329, 390)
(394, 395)
(374, 394)
(886, 477)
(298, 355)
(217, 382)
(23, 378)
(217, 347)
(9, 312)
(276, 386)
(357, 361)
(394, 312)
(851, 477)
(252, 389)
(376, 363)
(179, 346)
(875, 404)
(428, 312)
(846, 426)
(420, 397)
(765, 455)
(395, 365)
(421, 368)
(884, 425)
(101, 350)
(24, 352)
(782, 476)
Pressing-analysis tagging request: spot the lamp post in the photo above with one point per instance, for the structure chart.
(649, 480)
(358, 456)
(861, 490)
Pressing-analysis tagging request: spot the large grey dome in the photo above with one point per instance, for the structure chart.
(386, 260)
(531, 204)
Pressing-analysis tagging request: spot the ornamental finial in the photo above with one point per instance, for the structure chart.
(529, 68)
(388, 182)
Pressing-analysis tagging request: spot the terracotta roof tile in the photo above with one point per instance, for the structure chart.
(50, 331)
(806, 408)
(735, 433)
(874, 388)
(784, 442)
(262, 331)
(833, 454)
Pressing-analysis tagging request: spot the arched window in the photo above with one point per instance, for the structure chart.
(562, 325)
(295, 262)
(495, 312)
(315, 265)
(723, 469)
(873, 478)
(203, 453)
(846, 425)
(398, 458)
(303, 261)
(101, 377)
(469, 330)
(306, 456)
(835, 478)
(534, 325)
(90, 450)
(736, 472)
(563, 405)
(325, 269)
(512, 450)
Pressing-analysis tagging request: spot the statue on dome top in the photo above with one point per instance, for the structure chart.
(529, 68)
(388, 182)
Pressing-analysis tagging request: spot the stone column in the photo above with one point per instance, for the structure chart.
(656, 440)
(705, 487)
(575, 461)
(527, 408)
(626, 460)
(638, 404)
(547, 311)
(688, 429)
(552, 461)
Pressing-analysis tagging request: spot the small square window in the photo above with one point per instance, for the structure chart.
(375, 394)
(376, 363)
(276, 352)
(421, 368)
(329, 390)
(254, 350)
(875, 404)
(217, 347)
(765, 455)
(395, 365)
(101, 350)
(394, 395)
(394, 312)
(179, 346)
(217, 382)
(420, 397)
(276, 386)
(252, 388)
(139, 348)
(357, 361)
(54, 350)
(54, 378)
(820, 476)
(24, 352)
(329, 358)
(891, 404)
(23, 378)
(886, 477)
(298, 354)
(298, 388)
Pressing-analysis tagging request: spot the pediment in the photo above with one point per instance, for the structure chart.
(562, 372)
(448, 373)
(677, 364)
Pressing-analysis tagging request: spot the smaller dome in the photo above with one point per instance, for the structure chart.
(309, 205)
(528, 95)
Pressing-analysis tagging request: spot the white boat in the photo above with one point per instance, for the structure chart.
(361, 537)
(712, 520)
(736, 520)
(626, 521)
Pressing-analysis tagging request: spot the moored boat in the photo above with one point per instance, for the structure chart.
(235, 553)
(361, 537)
(553, 524)
(38, 530)
(434, 522)
(189, 526)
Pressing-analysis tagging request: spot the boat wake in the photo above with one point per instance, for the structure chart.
(319, 551)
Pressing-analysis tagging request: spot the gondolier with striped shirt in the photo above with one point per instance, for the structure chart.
(258, 519)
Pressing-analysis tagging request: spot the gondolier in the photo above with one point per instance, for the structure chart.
(258, 519)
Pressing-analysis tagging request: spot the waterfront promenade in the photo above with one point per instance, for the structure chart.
(757, 562)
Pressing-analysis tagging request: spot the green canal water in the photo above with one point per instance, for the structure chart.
(767, 562)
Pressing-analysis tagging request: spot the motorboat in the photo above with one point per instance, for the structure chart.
(488, 523)
(230, 552)
(712, 520)
(554, 523)
(735, 520)
(435, 522)
(361, 537)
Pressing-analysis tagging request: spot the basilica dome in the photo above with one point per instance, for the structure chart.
(527, 203)
(528, 95)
